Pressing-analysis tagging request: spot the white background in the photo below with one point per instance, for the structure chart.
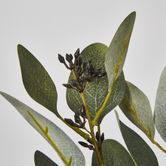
(50, 27)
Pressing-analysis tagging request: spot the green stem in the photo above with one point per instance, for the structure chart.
(45, 132)
(91, 126)
(98, 153)
(158, 145)
(99, 130)
(100, 143)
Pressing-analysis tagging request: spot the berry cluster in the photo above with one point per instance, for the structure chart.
(84, 71)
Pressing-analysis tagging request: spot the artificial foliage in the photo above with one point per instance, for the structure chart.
(96, 85)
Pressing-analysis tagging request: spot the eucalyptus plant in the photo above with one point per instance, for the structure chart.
(96, 85)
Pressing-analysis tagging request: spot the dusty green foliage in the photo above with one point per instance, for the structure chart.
(138, 148)
(42, 160)
(160, 106)
(96, 85)
(114, 154)
(136, 107)
(97, 89)
(37, 81)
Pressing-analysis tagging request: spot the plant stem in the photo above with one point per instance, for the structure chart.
(91, 126)
(99, 130)
(158, 145)
(98, 153)
(45, 132)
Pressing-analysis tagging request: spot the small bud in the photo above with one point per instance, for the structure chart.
(79, 61)
(67, 86)
(91, 147)
(84, 144)
(77, 118)
(77, 53)
(75, 84)
(61, 58)
(69, 57)
(70, 122)
(97, 136)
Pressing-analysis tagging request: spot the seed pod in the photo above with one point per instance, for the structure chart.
(77, 53)
(77, 85)
(84, 144)
(97, 136)
(91, 147)
(67, 86)
(69, 57)
(70, 122)
(79, 61)
(61, 58)
(77, 118)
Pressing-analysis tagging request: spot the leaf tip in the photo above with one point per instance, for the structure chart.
(132, 15)
(19, 46)
(2, 93)
(19, 49)
(130, 19)
(36, 153)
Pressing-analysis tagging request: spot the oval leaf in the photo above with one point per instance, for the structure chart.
(160, 106)
(117, 50)
(96, 90)
(37, 81)
(42, 160)
(95, 53)
(64, 143)
(135, 105)
(139, 149)
(114, 154)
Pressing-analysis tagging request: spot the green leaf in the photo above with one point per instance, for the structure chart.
(139, 149)
(117, 50)
(160, 106)
(37, 81)
(42, 160)
(96, 91)
(96, 53)
(114, 154)
(65, 145)
(135, 105)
